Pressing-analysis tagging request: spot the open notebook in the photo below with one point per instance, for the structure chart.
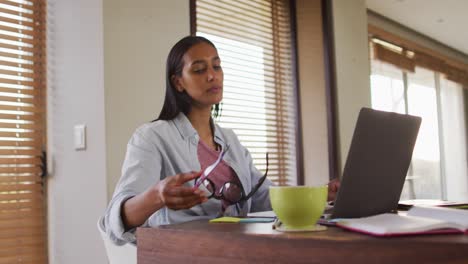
(418, 220)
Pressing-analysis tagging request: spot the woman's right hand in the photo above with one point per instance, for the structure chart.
(175, 195)
(169, 192)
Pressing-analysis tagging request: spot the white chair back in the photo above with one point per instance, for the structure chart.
(125, 254)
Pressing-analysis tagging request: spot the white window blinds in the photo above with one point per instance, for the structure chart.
(253, 39)
(22, 127)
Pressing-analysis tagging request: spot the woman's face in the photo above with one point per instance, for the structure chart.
(202, 76)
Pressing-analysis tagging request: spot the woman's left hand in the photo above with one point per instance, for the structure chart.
(333, 187)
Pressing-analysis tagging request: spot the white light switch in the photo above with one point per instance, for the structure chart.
(80, 137)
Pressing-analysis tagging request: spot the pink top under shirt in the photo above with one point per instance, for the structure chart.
(221, 174)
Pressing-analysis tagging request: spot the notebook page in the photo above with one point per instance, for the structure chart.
(458, 216)
(384, 224)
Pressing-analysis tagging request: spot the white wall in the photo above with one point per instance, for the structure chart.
(352, 80)
(352, 67)
(77, 186)
(312, 91)
(137, 39)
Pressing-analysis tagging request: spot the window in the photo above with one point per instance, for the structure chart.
(22, 130)
(439, 166)
(254, 42)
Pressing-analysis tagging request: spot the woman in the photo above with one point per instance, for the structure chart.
(163, 161)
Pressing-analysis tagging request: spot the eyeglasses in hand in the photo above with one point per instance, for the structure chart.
(230, 191)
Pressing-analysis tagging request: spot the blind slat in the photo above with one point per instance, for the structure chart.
(20, 31)
(27, 5)
(13, 117)
(26, 109)
(32, 259)
(18, 91)
(16, 13)
(16, 48)
(12, 81)
(22, 135)
(31, 222)
(16, 21)
(253, 39)
(25, 65)
(239, 30)
(35, 170)
(21, 231)
(26, 57)
(233, 7)
(247, 128)
(20, 205)
(237, 105)
(18, 73)
(21, 152)
(17, 99)
(400, 60)
(14, 38)
(6, 179)
(16, 160)
(22, 248)
(18, 187)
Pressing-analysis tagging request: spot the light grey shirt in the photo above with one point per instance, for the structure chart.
(165, 148)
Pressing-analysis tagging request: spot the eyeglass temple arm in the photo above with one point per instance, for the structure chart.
(260, 182)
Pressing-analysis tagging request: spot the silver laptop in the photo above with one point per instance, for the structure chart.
(377, 163)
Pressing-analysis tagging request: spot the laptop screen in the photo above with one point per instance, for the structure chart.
(377, 163)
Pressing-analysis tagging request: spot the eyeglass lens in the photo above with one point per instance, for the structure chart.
(231, 192)
(209, 187)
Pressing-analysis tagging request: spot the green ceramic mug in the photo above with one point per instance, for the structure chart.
(298, 207)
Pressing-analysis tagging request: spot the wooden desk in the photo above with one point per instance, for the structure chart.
(202, 242)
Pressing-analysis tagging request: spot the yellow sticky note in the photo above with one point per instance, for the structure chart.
(225, 220)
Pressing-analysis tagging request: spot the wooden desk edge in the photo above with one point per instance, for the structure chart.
(232, 243)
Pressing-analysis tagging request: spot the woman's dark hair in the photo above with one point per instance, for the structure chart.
(175, 101)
